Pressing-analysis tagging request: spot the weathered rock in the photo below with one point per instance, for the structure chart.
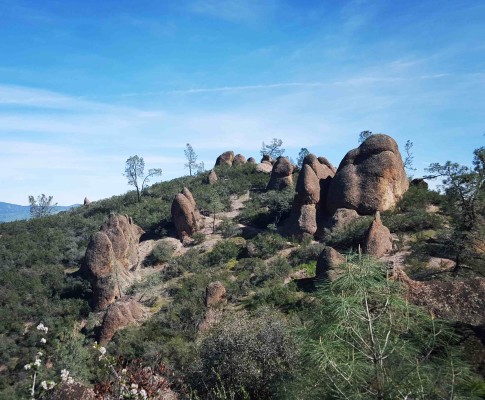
(111, 253)
(212, 177)
(215, 295)
(239, 159)
(87, 202)
(119, 315)
(267, 158)
(185, 216)
(308, 210)
(251, 160)
(70, 391)
(457, 300)
(340, 219)
(215, 300)
(225, 159)
(370, 178)
(327, 163)
(328, 264)
(265, 167)
(281, 175)
(378, 240)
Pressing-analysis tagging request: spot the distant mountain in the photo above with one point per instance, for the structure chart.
(13, 212)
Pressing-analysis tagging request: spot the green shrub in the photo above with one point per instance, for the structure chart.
(223, 251)
(351, 236)
(306, 254)
(161, 253)
(229, 228)
(247, 353)
(418, 198)
(412, 222)
(266, 245)
(198, 237)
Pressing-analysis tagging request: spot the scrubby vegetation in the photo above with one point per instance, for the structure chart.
(280, 335)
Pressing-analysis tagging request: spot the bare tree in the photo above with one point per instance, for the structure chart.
(273, 149)
(364, 135)
(134, 171)
(408, 161)
(41, 206)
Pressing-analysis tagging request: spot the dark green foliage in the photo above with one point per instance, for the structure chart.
(161, 253)
(418, 198)
(266, 245)
(305, 254)
(350, 237)
(229, 228)
(413, 221)
(248, 354)
(223, 251)
(367, 342)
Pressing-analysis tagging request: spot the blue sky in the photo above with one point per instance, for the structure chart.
(86, 84)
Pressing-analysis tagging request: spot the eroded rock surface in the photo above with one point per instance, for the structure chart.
(119, 315)
(215, 301)
(239, 159)
(328, 264)
(281, 175)
(370, 178)
(378, 240)
(111, 253)
(225, 159)
(212, 177)
(185, 215)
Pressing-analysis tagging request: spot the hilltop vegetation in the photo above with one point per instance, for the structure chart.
(275, 331)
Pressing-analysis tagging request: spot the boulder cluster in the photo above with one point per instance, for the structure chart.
(228, 159)
(111, 253)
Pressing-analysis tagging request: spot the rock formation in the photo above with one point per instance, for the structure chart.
(119, 315)
(239, 159)
(111, 253)
(308, 211)
(185, 215)
(225, 159)
(370, 178)
(340, 218)
(215, 300)
(378, 240)
(87, 202)
(212, 177)
(265, 167)
(281, 175)
(267, 158)
(251, 160)
(328, 263)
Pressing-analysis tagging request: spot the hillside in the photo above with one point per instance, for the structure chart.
(238, 283)
(14, 212)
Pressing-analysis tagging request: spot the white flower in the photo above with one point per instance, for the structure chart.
(37, 362)
(43, 384)
(134, 386)
(40, 327)
(50, 385)
(43, 340)
(40, 354)
(64, 374)
(27, 366)
(102, 350)
(70, 380)
(143, 394)
(123, 371)
(134, 391)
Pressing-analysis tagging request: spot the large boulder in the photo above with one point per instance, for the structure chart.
(281, 175)
(239, 159)
(119, 315)
(370, 178)
(87, 202)
(265, 167)
(185, 215)
(328, 264)
(308, 209)
(111, 254)
(212, 177)
(251, 160)
(378, 239)
(215, 301)
(340, 219)
(225, 159)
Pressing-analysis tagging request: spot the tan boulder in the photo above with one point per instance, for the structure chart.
(225, 159)
(215, 301)
(251, 160)
(119, 315)
(281, 175)
(239, 159)
(110, 255)
(340, 219)
(328, 264)
(212, 177)
(265, 167)
(370, 178)
(185, 215)
(378, 240)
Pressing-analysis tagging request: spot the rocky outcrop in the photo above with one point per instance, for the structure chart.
(456, 300)
(308, 210)
(215, 301)
(370, 178)
(267, 158)
(239, 159)
(225, 159)
(185, 215)
(340, 219)
(119, 315)
(70, 390)
(328, 264)
(212, 177)
(419, 182)
(87, 202)
(111, 253)
(281, 175)
(251, 160)
(378, 239)
(265, 167)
